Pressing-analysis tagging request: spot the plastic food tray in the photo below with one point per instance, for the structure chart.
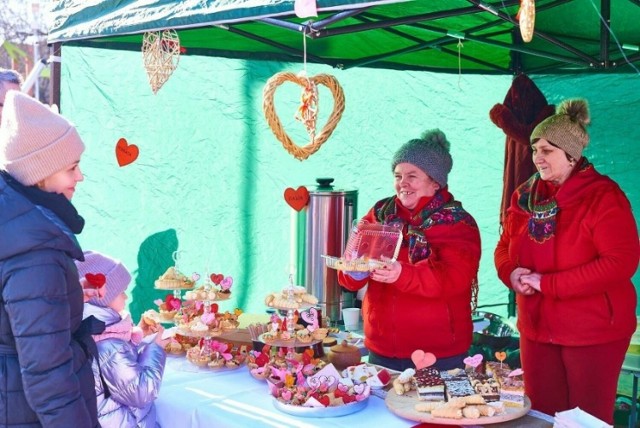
(370, 246)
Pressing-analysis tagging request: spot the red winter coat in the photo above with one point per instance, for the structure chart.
(429, 306)
(587, 296)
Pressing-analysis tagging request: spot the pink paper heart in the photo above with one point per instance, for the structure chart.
(359, 389)
(516, 372)
(195, 276)
(342, 387)
(310, 317)
(207, 318)
(286, 395)
(422, 359)
(474, 361)
(226, 283)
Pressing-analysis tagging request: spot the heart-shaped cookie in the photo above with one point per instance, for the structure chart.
(126, 153)
(317, 139)
(310, 316)
(160, 55)
(422, 359)
(296, 198)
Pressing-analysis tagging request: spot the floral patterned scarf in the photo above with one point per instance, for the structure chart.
(441, 209)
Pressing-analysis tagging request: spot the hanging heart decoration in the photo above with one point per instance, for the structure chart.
(307, 113)
(160, 55)
(296, 198)
(126, 153)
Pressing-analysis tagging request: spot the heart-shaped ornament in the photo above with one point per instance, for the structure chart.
(160, 55)
(126, 153)
(317, 139)
(422, 359)
(216, 278)
(474, 361)
(501, 356)
(296, 198)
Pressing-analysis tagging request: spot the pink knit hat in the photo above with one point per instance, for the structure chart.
(35, 142)
(117, 276)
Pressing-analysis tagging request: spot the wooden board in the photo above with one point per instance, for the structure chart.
(403, 406)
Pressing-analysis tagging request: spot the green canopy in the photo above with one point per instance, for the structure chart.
(467, 36)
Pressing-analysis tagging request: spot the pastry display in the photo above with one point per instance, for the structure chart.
(215, 354)
(456, 384)
(324, 388)
(492, 391)
(168, 308)
(172, 279)
(429, 384)
(298, 299)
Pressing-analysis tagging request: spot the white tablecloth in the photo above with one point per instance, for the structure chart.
(194, 397)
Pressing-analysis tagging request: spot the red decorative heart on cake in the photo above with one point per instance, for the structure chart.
(96, 280)
(126, 153)
(501, 356)
(422, 359)
(216, 278)
(298, 198)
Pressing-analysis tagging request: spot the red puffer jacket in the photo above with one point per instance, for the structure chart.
(587, 296)
(429, 306)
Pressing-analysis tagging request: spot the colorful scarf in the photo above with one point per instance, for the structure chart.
(441, 209)
(538, 198)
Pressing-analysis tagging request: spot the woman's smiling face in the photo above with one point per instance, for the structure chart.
(551, 162)
(411, 184)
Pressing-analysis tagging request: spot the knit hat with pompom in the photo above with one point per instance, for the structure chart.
(567, 128)
(430, 153)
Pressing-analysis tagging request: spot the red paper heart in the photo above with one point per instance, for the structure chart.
(324, 400)
(422, 359)
(298, 198)
(96, 280)
(125, 152)
(216, 278)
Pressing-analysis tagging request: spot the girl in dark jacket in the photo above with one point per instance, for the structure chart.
(45, 347)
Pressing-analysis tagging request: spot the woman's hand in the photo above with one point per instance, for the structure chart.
(518, 285)
(532, 280)
(388, 273)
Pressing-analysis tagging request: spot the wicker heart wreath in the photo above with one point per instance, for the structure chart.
(302, 153)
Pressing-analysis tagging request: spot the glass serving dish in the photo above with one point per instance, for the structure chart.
(370, 246)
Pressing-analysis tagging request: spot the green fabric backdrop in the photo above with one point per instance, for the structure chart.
(210, 176)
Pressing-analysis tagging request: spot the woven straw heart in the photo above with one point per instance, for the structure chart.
(160, 54)
(302, 153)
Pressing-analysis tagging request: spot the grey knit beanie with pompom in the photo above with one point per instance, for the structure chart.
(430, 153)
(567, 128)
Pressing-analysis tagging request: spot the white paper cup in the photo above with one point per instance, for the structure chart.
(351, 317)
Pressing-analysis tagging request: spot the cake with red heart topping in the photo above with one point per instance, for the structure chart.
(429, 385)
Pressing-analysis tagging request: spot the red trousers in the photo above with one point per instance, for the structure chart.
(560, 378)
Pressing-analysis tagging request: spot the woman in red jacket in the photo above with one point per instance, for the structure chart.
(569, 249)
(423, 300)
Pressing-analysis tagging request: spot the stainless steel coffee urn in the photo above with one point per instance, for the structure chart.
(329, 217)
